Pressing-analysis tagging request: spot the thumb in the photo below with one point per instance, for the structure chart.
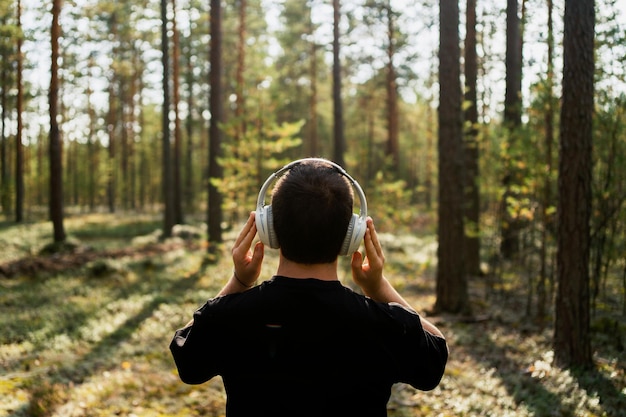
(356, 264)
(259, 252)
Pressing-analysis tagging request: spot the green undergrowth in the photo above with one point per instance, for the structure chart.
(92, 339)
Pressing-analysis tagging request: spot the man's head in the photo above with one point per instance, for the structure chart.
(311, 210)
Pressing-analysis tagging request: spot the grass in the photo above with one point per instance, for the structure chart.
(89, 336)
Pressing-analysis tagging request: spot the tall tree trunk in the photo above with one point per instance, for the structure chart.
(339, 140)
(215, 134)
(56, 170)
(452, 294)
(111, 124)
(167, 182)
(4, 165)
(240, 103)
(428, 165)
(19, 151)
(135, 108)
(513, 63)
(92, 152)
(189, 166)
(124, 140)
(178, 140)
(41, 176)
(472, 193)
(572, 345)
(313, 137)
(393, 147)
(241, 63)
(510, 226)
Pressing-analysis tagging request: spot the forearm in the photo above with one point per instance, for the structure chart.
(384, 292)
(233, 286)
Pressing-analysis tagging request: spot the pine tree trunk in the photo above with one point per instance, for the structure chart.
(472, 194)
(572, 344)
(510, 226)
(178, 195)
(339, 139)
(313, 139)
(167, 182)
(189, 166)
(111, 125)
(452, 295)
(19, 151)
(92, 152)
(393, 147)
(4, 165)
(56, 170)
(215, 134)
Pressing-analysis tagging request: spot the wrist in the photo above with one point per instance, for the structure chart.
(373, 288)
(240, 282)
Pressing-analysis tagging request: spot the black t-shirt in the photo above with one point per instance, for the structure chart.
(306, 347)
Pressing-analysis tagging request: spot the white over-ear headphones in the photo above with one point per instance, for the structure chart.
(265, 221)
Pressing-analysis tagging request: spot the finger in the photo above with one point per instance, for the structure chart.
(357, 266)
(370, 247)
(251, 269)
(247, 233)
(357, 260)
(374, 236)
(375, 258)
(246, 229)
(259, 253)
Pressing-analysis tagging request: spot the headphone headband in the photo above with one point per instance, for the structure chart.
(276, 175)
(264, 219)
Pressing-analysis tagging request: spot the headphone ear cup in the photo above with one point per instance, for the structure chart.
(354, 235)
(265, 227)
(273, 240)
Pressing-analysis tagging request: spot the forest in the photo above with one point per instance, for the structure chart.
(489, 138)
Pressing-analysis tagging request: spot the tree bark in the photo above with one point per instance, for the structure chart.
(472, 193)
(393, 146)
(4, 165)
(167, 181)
(510, 226)
(112, 169)
(241, 63)
(177, 186)
(215, 134)
(56, 169)
(452, 295)
(572, 345)
(189, 166)
(313, 137)
(339, 139)
(19, 151)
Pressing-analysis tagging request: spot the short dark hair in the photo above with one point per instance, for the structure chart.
(311, 210)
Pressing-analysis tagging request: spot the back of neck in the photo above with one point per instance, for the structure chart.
(290, 269)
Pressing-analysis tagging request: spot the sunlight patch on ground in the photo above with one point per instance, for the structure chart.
(113, 316)
(11, 353)
(420, 250)
(12, 395)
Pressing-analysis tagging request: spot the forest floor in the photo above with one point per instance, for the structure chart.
(85, 331)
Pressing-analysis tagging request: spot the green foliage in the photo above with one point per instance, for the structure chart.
(385, 197)
(246, 163)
